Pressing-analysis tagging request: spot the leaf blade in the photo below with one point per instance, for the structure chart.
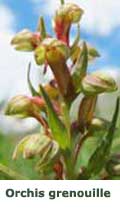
(31, 88)
(99, 157)
(58, 129)
(80, 67)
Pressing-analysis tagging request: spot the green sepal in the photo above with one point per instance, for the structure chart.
(41, 28)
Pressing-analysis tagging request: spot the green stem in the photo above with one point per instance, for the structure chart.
(70, 175)
(42, 121)
(41, 28)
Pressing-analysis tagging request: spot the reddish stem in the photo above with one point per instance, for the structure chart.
(43, 122)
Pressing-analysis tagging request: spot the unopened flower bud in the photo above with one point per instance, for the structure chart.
(26, 40)
(23, 106)
(97, 83)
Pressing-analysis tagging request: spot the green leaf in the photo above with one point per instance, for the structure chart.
(58, 129)
(41, 28)
(100, 156)
(32, 89)
(80, 67)
(10, 174)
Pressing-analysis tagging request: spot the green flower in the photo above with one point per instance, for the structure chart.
(26, 40)
(50, 50)
(22, 106)
(97, 83)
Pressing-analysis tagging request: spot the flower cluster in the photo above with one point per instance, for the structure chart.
(60, 140)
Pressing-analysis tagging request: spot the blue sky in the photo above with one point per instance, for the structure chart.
(24, 13)
(100, 27)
